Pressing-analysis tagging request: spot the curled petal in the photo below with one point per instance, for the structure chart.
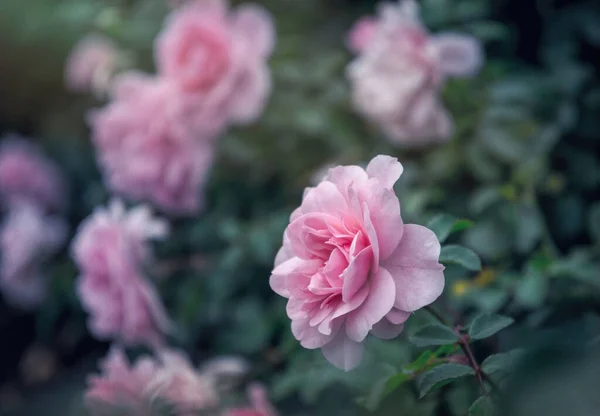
(386, 169)
(343, 353)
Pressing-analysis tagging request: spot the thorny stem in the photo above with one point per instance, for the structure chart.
(463, 341)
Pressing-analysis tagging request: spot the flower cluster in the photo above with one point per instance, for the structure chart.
(155, 139)
(350, 266)
(167, 379)
(32, 195)
(110, 250)
(401, 69)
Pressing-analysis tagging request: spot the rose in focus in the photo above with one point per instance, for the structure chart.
(350, 266)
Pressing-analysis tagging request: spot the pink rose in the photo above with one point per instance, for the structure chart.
(260, 405)
(28, 237)
(27, 175)
(349, 266)
(219, 56)
(110, 249)
(399, 73)
(153, 144)
(91, 64)
(170, 377)
(181, 385)
(120, 385)
(362, 33)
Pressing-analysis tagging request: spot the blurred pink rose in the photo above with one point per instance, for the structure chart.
(169, 378)
(152, 146)
(91, 64)
(219, 56)
(182, 386)
(120, 385)
(110, 249)
(27, 238)
(399, 74)
(27, 175)
(349, 265)
(362, 33)
(260, 405)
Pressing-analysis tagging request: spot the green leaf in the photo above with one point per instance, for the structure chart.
(484, 326)
(442, 375)
(465, 257)
(441, 225)
(434, 334)
(444, 224)
(483, 407)
(461, 225)
(502, 362)
(396, 381)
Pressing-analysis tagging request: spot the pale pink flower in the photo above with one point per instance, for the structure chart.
(91, 64)
(362, 33)
(28, 237)
(259, 403)
(152, 146)
(27, 175)
(182, 386)
(399, 73)
(110, 249)
(120, 385)
(219, 56)
(350, 266)
(169, 378)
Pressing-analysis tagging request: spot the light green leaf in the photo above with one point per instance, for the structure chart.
(442, 375)
(444, 224)
(461, 225)
(434, 334)
(483, 407)
(484, 326)
(502, 362)
(462, 256)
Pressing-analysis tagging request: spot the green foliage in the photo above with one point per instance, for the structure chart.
(462, 256)
(442, 375)
(434, 334)
(483, 406)
(444, 224)
(503, 362)
(484, 326)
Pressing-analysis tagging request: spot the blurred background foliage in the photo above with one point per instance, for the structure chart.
(523, 166)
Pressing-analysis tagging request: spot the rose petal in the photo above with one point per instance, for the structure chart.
(415, 269)
(396, 316)
(356, 274)
(256, 25)
(342, 352)
(380, 301)
(386, 169)
(384, 329)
